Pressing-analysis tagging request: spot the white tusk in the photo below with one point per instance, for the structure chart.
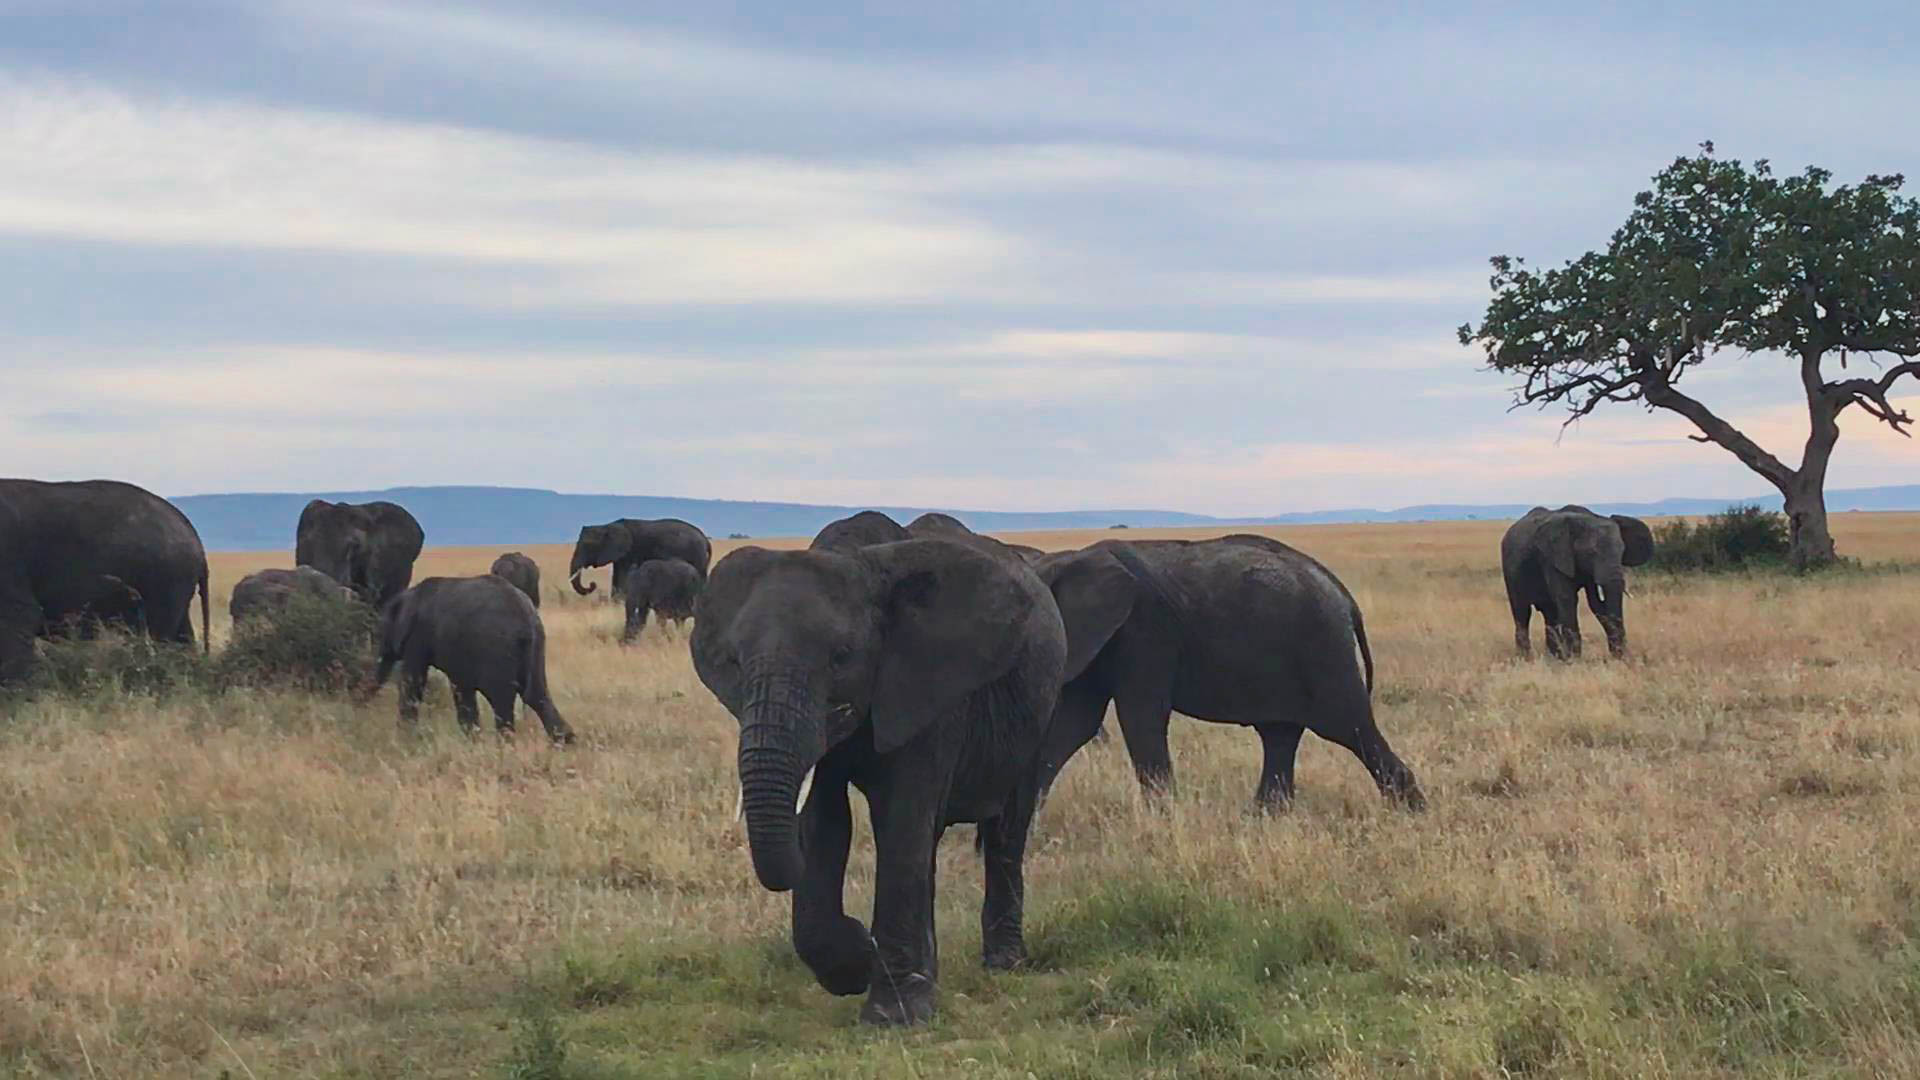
(739, 802)
(806, 785)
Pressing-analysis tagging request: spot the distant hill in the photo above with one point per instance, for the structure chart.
(463, 516)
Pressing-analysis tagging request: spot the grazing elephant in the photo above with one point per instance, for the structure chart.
(628, 542)
(523, 572)
(484, 635)
(266, 593)
(1549, 556)
(922, 672)
(368, 547)
(666, 587)
(113, 603)
(1238, 630)
(96, 548)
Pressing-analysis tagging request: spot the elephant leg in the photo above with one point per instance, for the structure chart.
(1076, 717)
(1610, 622)
(905, 966)
(1279, 743)
(466, 709)
(833, 945)
(501, 700)
(1003, 944)
(1143, 724)
(1353, 727)
(1523, 626)
(1565, 599)
(413, 687)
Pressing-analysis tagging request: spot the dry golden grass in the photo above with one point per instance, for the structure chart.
(1702, 861)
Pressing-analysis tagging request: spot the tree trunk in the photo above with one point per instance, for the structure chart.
(1806, 508)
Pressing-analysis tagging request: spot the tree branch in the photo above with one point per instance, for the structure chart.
(1871, 395)
(1660, 393)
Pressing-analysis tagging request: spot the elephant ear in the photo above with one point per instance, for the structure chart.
(1095, 594)
(951, 622)
(1554, 540)
(1636, 538)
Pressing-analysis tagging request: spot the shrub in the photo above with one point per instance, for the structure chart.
(319, 644)
(117, 662)
(1736, 538)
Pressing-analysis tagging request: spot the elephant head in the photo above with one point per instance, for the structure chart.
(810, 648)
(1585, 550)
(598, 545)
(334, 538)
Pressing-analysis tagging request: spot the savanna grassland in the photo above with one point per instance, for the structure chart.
(1703, 861)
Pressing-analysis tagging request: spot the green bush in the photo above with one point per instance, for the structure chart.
(318, 644)
(1737, 538)
(117, 663)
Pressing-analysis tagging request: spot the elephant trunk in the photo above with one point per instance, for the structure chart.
(574, 569)
(778, 742)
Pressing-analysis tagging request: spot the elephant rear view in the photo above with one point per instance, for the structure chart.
(484, 635)
(98, 550)
(666, 587)
(522, 571)
(1549, 556)
(368, 547)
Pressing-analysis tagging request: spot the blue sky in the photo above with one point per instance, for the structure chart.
(1202, 257)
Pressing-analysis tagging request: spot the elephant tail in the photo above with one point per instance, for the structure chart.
(206, 613)
(1366, 653)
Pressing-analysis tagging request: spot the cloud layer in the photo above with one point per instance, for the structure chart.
(1210, 264)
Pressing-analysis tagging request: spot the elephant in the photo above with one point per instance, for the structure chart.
(627, 542)
(111, 602)
(921, 671)
(857, 531)
(522, 571)
(667, 587)
(368, 547)
(1549, 556)
(266, 593)
(89, 548)
(484, 635)
(1236, 630)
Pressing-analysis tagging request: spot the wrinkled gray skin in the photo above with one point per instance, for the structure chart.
(368, 547)
(1549, 556)
(80, 553)
(484, 635)
(521, 571)
(666, 587)
(268, 592)
(856, 531)
(1238, 630)
(627, 542)
(922, 672)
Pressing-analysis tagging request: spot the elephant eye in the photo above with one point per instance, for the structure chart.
(841, 655)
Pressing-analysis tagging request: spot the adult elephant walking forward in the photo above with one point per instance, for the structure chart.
(1549, 556)
(368, 547)
(1238, 630)
(922, 672)
(627, 542)
(62, 544)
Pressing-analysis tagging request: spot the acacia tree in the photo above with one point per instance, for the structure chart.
(1724, 257)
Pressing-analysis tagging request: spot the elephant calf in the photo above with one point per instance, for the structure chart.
(484, 635)
(667, 587)
(523, 573)
(268, 592)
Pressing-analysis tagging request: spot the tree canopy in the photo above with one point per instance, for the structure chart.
(1722, 256)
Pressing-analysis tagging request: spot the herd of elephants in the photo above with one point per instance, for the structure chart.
(947, 675)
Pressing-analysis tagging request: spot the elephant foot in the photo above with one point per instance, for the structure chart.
(840, 957)
(1004, 955)
(902, 1002)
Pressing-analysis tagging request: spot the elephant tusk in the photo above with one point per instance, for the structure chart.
(806, 786)
(739, 802)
